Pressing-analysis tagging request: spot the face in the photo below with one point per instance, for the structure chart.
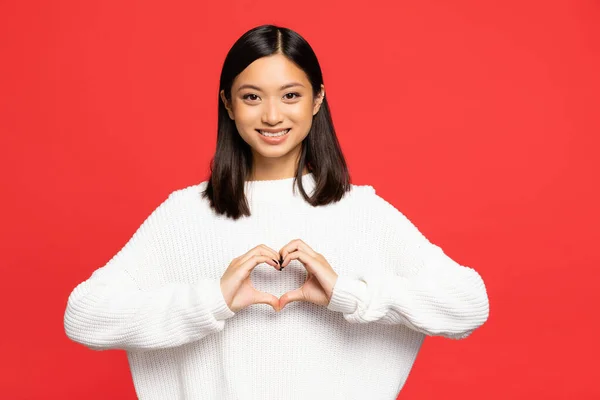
(273, 94)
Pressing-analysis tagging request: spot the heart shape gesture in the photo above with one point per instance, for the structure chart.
(320, 278)
(238, 291)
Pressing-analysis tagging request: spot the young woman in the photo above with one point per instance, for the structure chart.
(275, 278)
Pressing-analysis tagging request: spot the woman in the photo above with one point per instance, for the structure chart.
(354, 286)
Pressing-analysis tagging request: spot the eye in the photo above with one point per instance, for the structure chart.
(250, 96)
(293, 94)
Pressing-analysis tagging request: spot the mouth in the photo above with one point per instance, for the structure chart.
(274, 134)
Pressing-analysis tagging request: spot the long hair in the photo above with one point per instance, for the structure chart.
(320, 153)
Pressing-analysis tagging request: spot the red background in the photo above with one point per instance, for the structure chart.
(479, 120)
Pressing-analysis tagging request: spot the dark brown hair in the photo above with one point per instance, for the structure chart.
(321, 152)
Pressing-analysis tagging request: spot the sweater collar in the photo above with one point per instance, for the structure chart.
(278, 190)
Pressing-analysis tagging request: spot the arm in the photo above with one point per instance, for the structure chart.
(429, 292)
(110, 311)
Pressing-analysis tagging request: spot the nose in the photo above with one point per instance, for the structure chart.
(272, 113)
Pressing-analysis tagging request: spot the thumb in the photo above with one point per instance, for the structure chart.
(266, 298)
(293, 295)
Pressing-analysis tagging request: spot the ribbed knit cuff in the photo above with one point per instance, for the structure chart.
(217, 304)
(346, 294)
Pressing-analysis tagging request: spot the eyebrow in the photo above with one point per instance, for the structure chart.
(286, 86)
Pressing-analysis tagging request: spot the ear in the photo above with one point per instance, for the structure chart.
(226, 103)
(319, 100)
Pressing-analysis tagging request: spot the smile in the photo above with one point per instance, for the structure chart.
(274, 138)
(273, 134)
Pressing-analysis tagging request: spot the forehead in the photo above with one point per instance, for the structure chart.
(270, 73)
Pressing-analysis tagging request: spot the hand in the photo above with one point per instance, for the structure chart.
(236, 286)
(320, 278)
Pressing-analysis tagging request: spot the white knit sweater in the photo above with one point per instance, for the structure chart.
(159, 298)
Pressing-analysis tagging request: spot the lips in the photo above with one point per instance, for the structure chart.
(274, 139)
(272, 130)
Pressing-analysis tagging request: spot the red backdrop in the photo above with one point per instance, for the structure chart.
(478, 120)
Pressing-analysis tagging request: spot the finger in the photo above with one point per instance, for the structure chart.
(266, 298)
(256, 259)
(270, 250)
(291, 296)
(300, 255)
(294, 245)
(261, 250)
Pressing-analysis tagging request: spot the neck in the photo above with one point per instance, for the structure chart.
(280, 190)
(274, 175)
(274, 168)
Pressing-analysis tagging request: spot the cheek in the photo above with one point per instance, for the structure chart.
(246, 117)
(302, 114)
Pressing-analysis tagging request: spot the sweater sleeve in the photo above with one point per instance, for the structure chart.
(427, 292)
(110, 310)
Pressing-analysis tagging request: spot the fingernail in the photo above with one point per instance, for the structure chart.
(280, 267)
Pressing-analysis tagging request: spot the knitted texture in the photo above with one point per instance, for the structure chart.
(159, 299)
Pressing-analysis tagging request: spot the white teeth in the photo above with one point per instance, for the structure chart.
(276, 134)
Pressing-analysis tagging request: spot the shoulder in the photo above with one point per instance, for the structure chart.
(366, 199)
(360, 193)
(380, 209)
(181, 198)
(367, 195)
(190, 191)
(361, 189)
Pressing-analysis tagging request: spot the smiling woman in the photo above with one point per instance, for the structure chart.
(362, 286)
(274, 122)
